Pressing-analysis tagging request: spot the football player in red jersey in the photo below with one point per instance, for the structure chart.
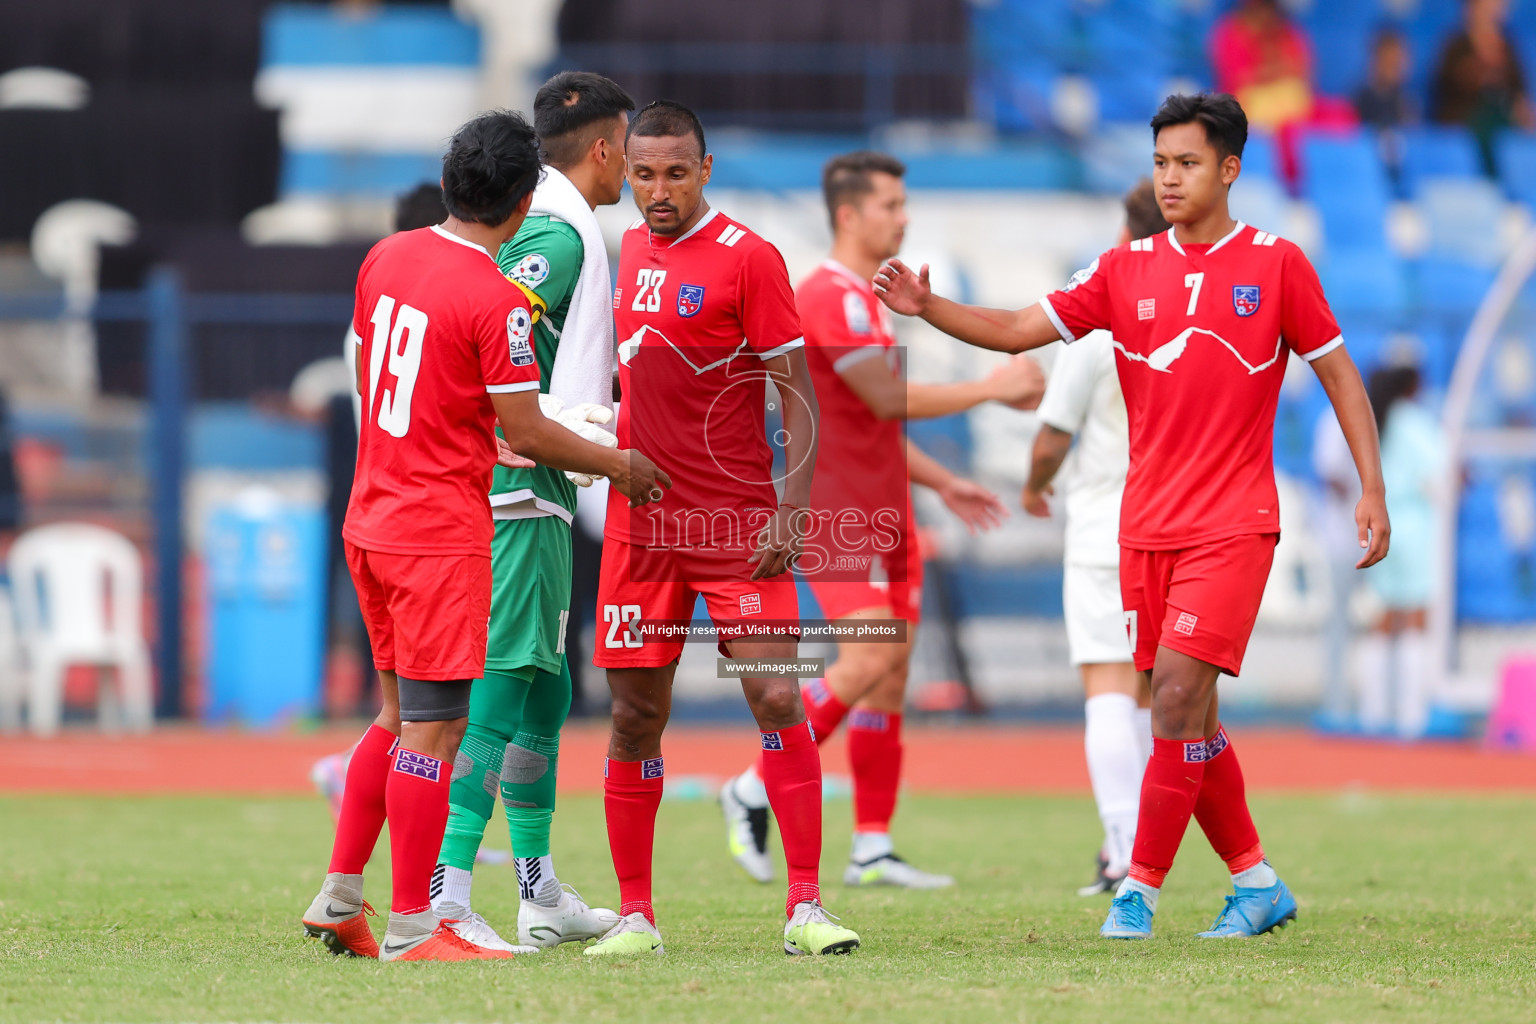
(1204, 319)
(446, 354)
(862, 559)
(705, 318)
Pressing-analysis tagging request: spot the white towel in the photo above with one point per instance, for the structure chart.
(583, 370)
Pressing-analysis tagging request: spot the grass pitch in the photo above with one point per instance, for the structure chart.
(187, 909)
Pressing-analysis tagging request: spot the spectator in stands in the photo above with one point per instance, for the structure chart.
(10, 487)
(1383, 101)
(1479, 82)
(1395, 673)
(1263, 58)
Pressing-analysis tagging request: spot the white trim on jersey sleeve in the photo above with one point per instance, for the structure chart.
(1061, 328)
(788, 346)
(1323, 350)
(510, 389)
(856, 356)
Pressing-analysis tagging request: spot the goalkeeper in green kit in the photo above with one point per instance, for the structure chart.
(516, 712)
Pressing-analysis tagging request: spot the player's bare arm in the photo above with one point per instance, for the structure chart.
(1001, 330)
(974, 505)
(529, 432)
(783, 538)
(1341, 380)
(1051, 447)
(1018, 382)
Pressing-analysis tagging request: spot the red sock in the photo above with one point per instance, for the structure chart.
(791, 770)
(874, 751)
(631, 794)
(1222, 808)
(1169, 788)
(822, 709)
(417, 800)
(362, 801)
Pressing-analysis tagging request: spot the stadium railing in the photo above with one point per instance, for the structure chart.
(169, 312)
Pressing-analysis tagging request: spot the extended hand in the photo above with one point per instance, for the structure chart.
(584, 420)
(780, 542)
(505, 456)
(900, 289)
(641, 481)
(1034, 501)
(1374, 529)
(1018, 383)
(974, 505)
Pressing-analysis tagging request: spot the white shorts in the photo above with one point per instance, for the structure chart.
(1096, 633)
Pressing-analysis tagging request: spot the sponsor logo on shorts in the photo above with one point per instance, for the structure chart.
(420, 765)
(1185, 624)
(773, 741)
(1196, 752)
(1216, 744)
(652, 768)
(751, 604)
(1146, 309)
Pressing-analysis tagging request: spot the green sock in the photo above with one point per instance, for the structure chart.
(531, 762)
(495, 708)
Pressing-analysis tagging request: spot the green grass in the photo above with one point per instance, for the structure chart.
(187, 909)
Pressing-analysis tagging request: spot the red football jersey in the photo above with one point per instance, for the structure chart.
(695, 317)
(1202, 334)
(440, 330)
(860, 491)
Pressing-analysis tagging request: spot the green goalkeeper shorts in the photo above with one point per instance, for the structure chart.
(530, 594)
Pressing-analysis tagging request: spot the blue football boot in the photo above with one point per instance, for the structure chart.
(1253, 912)
(1129, 918)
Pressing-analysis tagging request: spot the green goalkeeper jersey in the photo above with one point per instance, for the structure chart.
(545, 258)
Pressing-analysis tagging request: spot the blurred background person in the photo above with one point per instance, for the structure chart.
(1083, 399)
(1395, 669)
(1479, 82)
(1262, 57)
(1384, 101)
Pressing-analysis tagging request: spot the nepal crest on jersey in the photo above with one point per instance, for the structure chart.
(1245, 299)
(690, 299)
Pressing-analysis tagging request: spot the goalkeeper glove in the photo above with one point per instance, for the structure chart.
(583, 420)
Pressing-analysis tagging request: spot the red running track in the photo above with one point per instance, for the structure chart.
(977, 759)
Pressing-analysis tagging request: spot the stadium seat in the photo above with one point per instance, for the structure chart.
(78, 591)
(1465, 219)
(1517, 165)
(1433, 152)
(1358, 278)
(1260, 157)
(1444, 286)
(1343, 176)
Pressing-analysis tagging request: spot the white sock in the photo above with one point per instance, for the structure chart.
(1144, 733)
(536, 880)
(450, 885)
(749, 788)
(1148, 893)
(1412, 684)
(868, 846)
(1260, 876)
(1373, 666)
(1114, 768)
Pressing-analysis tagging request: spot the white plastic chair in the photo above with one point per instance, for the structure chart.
(79, 601)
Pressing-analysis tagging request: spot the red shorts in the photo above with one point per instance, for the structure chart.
(427, 615)
(659, 586)
(1200, 601)
(841, 596)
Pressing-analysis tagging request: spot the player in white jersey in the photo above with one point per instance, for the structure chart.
(1083, 398)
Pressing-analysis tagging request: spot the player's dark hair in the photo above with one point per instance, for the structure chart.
(1142, 217)
(665, 119)
(421, 207)
(491, 164)
(1386, 387)
(849, 177)
(571, 109)
(1219, 113)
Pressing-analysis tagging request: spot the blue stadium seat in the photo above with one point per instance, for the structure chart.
(1343, 175)
(1364, 279)
(1450, 287)
(1494, 583)
(1517, 164)
(1260, 158)
(1016, 97)
(1439, 151)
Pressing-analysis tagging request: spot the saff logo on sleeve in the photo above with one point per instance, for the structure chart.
(532, 270)
(856, 313)
(1245, 299)
(690, 299)
(519, 333)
